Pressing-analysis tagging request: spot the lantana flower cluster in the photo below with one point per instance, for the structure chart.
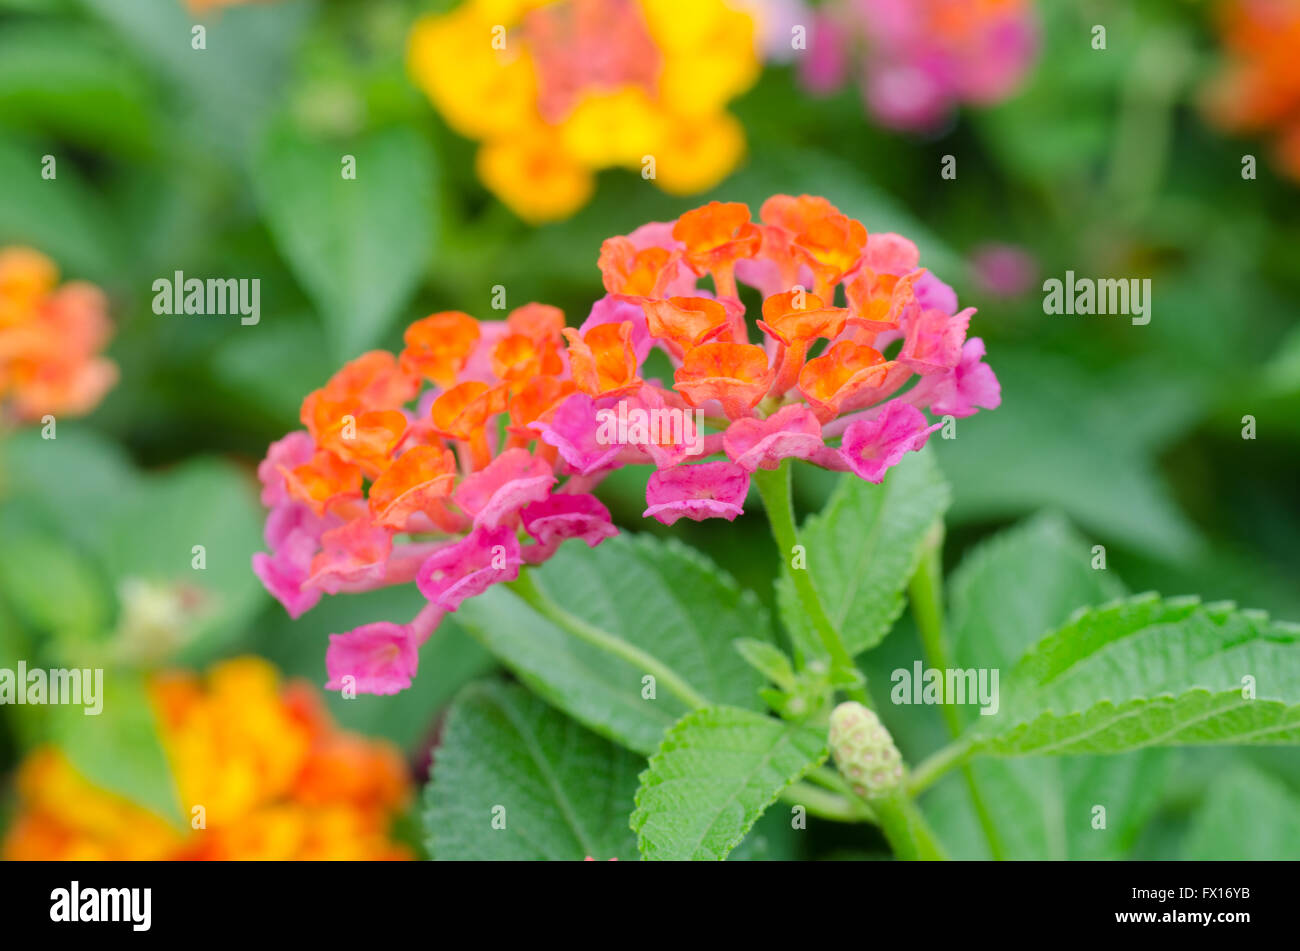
(555, 91)
(474, 451)
(917, 60)
(1257, 91)
(425, 467)
(808, 379)
(51, 337)
(274, 776)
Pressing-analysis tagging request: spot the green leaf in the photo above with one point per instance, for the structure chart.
(50, 584)
(713, 775)
(1150, 672)
(70, 81)
(144, 526)
(1037, 450)
(649, 596)
(1247, 815)
(861, 551)
(119, 748)
(1014, 589)
(768, 659)
(358, 246)
(566, 793)
(64, 218)
(1004, 597)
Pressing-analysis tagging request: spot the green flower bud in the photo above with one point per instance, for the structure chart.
(864, 751)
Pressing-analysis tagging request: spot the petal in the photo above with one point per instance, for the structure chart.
(381, 658)
(575, 430)
(563, 516)
(872, 446)
(708, 490)
(469, 567)
(494, 494)
(791, 432)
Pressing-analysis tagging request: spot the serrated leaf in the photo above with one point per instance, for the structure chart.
(1005, 595)
(657, 597)
(862, 550)
(1150, 672)
(713, 775)
(358, 246)
(566, 792)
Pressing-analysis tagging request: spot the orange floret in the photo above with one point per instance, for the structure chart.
(716, 237)
(417, 481)
(686, 321)
(843, 371)
(438, 345)
(735, 374)
(603, 361)
(324, 482)
(625, 270)
(366, 440)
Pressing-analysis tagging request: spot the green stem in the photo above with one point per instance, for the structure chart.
(828, 805)
(526, 587)
(926, 593)
(935, 766)
(906, 830)
(774, 488)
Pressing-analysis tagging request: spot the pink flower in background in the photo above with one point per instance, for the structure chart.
(917, 60)
(1004, 270)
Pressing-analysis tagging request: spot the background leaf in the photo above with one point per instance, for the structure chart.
(358, 246)
(1247, 815)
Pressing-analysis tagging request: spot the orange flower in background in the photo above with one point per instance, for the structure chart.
(50, 340)
(1258, 89)
(276, 779)
(556, 90)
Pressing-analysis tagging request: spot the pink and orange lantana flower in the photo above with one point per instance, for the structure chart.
(494, 466)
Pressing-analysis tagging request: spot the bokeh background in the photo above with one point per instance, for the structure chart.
(1102, 162)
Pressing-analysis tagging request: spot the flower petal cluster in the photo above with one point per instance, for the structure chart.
(51, 337)
(555, 91)
(1257, 90)
(854, 342)
(275, 777)
(917, 60)
(433, 467)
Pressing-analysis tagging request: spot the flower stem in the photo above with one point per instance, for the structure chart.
(906, 830)
(526, 587)
(926, 593)
(827, 805)
(774, 488)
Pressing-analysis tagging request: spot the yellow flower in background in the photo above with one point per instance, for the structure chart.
(555, 91)
(276, 779)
